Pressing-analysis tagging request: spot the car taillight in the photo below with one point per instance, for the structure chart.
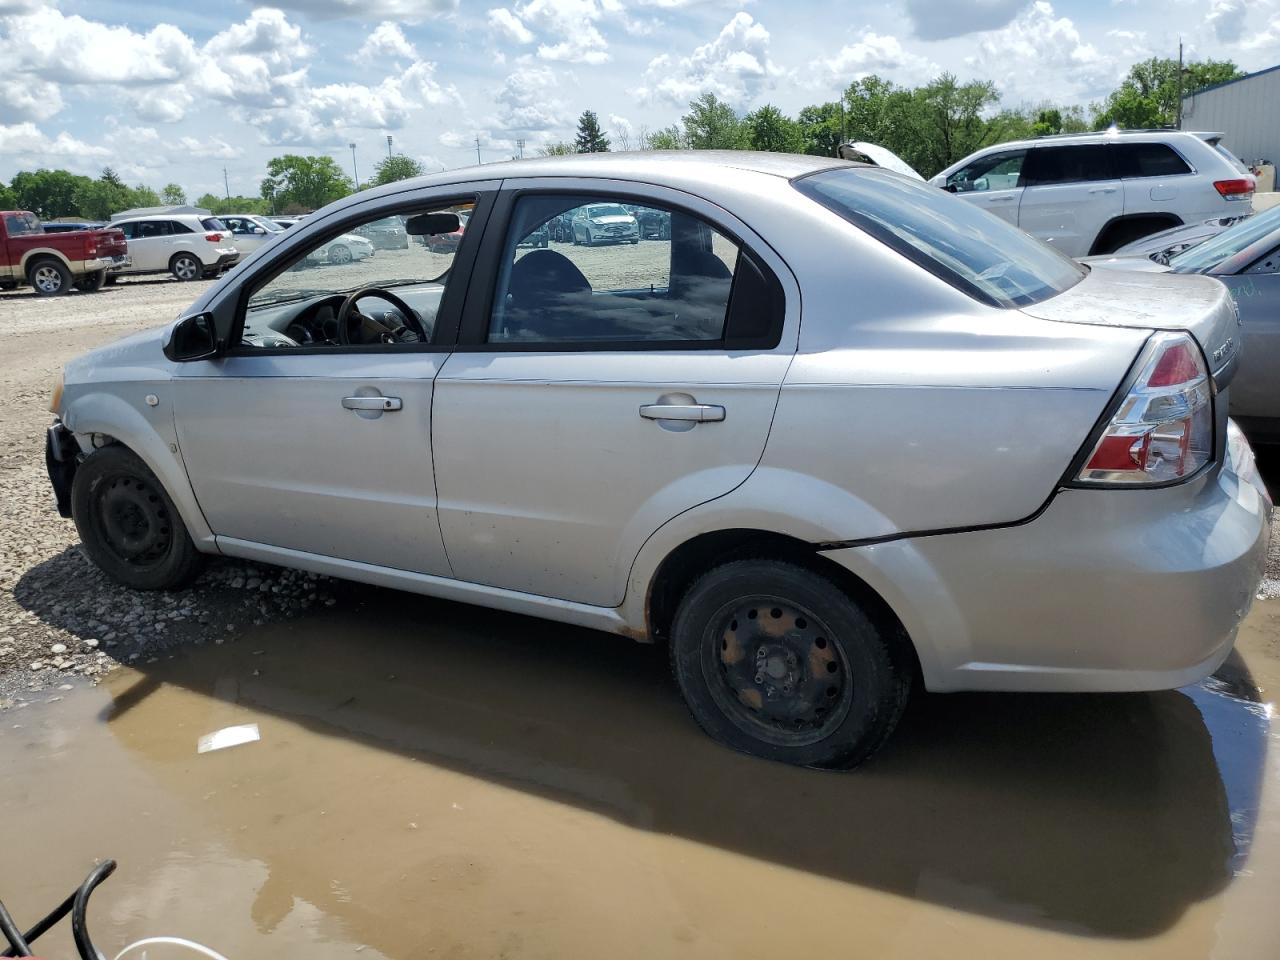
(1162, 431)
(1238, 189)
(213, 237)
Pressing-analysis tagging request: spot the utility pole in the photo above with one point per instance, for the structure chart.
(388, 146)
(478, 160)
(354, 171)
(520, 147)
(226, 184)
(1179, 83)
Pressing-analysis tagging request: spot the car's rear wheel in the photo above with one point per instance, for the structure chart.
(92, 282)
(339, 254)
(777, 661)
(49, 277)
(110, 280)
(186, 267)
(127, 523)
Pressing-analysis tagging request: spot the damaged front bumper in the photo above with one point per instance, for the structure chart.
(61, 457)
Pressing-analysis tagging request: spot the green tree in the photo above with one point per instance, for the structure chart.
(143, 196)
(590, 138)
(820, 129)
(711, 124)
(173, 195)
(668, 138)
(111, 178)
(949, 122)
(768, 128)
(220, 205)
(306, 182)
(99, 199)
(398, 167)
(1148, 96)
(8, 199)
(559, 148)
(48, 193)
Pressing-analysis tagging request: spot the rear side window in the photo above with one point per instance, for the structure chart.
(21, 224)
(976, 252)
(177, 226)
(1075, 164)
(1148, 160)
(212, 223)
(1230, 157)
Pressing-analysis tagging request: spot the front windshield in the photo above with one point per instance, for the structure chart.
(972, 250)
(606, 210)
(1205, 256)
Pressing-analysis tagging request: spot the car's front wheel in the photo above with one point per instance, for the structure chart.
(127, 523)
(185, 267)
(778, 661)
(339, 254)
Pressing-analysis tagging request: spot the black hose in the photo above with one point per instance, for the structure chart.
(80, 906)
(32, 935)
(17, 942)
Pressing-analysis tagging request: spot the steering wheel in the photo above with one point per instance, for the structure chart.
(385, 333)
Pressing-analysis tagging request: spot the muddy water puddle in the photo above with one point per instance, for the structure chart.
(436, 780)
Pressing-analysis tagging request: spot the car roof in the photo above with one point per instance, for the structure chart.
(162, 216)
(1101, 136)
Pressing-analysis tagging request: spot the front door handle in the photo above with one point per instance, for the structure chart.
(697, 412)
(1103, 189)
(380, 404)
(999, 199)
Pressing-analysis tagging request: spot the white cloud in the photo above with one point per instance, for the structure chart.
(1042, 56)
(73, 50)
(29, 99)
(387, 41)
(1227, 18)
(735, 66)
(527, 106)
(568, 28)
(32, 147)
(941, 19)
(883, 55)
(506, 24)
(410, 10)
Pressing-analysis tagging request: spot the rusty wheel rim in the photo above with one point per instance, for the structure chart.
(776, 672)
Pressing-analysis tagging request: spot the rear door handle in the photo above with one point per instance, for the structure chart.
(999, 199)
(371, 403)
(697, 412)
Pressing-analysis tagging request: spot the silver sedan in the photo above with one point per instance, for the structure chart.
(838, 432)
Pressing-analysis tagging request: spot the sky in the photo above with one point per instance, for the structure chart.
(166, 92)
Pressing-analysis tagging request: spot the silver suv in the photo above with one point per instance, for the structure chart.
(1093, 193)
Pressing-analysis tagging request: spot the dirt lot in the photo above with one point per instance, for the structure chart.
(439, 780)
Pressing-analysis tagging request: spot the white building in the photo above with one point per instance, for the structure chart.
(1247, 111)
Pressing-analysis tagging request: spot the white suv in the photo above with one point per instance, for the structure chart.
(1092, 193)
(186, 245)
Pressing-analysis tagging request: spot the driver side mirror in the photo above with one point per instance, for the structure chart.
(192, 338)
(432, 224)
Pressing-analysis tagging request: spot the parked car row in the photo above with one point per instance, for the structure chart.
(845, 435)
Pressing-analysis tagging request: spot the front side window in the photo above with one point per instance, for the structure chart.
(311, 303)
(637, 274)
(1075, 164)
(995, 171)
(971, 249)
(1148, 160)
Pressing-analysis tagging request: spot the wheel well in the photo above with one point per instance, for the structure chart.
(684, 565)
(36, 259)
(1131, 227)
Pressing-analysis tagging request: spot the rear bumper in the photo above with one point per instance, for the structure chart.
(110, 264)
(1106, 590)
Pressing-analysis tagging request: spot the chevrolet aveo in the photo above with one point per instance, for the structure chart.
(837, 432)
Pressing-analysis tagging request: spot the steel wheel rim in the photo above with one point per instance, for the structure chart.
(185, 268)
(132, 520)
(775, 671)
(47, 279)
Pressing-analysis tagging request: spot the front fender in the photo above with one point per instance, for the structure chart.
(121, 411)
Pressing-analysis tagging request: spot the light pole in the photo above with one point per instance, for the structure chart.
(354, 171)
(388, 146)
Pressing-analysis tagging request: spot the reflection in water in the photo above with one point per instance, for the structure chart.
(436, 776)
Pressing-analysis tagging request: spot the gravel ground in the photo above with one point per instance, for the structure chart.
(60, 619)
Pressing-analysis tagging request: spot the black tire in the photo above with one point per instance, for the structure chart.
(186, 267)
(110, 280)
(127, 523)
(825, 684)
(49, 277)
(92, 282)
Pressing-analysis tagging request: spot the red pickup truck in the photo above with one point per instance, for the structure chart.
(52, 263)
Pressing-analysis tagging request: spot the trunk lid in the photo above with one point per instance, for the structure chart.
(877, 156)
(1156, 301)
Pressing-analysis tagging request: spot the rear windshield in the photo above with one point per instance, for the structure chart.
(21, 224)
(974, 251)
(1207, 255)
